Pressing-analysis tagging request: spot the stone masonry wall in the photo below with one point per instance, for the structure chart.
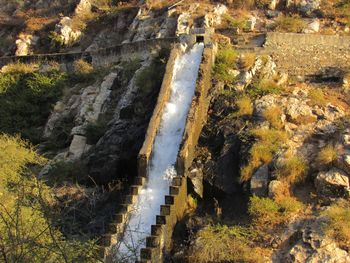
(307, 54)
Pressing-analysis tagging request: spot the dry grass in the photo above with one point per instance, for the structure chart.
(226, 244)
(247, 61)
(19, 67)
(245, 106)
(292, 170)
(269, 141)
(317, 97)
(290, 24)
(338, 226)
(273, 116)
(267, 213)
(82, 67)
(327, 155)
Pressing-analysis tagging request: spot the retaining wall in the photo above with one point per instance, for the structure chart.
(101, 57)
(160, 240)
(307, 54)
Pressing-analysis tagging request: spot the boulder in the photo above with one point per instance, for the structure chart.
(312, 27)
(251, 23)
(313, 246)
(260, 181)
(307, 7)
(25, 43)
(332, 184)
(77, 147)
(298, 112)
(196, 177)
(67, 34)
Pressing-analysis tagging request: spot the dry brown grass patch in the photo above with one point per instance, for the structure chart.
(273, 116)
(327, 155)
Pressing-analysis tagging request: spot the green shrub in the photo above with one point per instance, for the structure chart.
(26, 101)
(267, 213)
(152, 76)
(26, 216)
(225, 244)
(290, 24)
(225, 62)
(240, 23)
(263, 87)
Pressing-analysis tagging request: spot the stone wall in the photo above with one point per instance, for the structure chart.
(307, 54)
(101, 57)
(160, 240)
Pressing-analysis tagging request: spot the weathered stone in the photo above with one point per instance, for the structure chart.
(299, 112)
(314, 246)
(332, 184)
(196, 177)
(25, 44)
(77, 147)
(66, 32)
(260, 181)
(273, 4)
(313, 27)
(251, 23)
(307, 7)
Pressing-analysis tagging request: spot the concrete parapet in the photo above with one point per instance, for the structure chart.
(197, 115)
(153, 126)
(160, 240)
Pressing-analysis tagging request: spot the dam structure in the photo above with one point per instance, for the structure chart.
(161, 168)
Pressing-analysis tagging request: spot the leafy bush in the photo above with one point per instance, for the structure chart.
(268, 143)
(273, 116)
(26, 100)
(290, 24)
(263, 87)
(225, 62)
(292, 170)
(27, 231)
(225, 244)
(245, 106)
(338, 226)
(327, 155)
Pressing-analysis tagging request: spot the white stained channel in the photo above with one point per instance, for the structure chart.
(165, 149)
